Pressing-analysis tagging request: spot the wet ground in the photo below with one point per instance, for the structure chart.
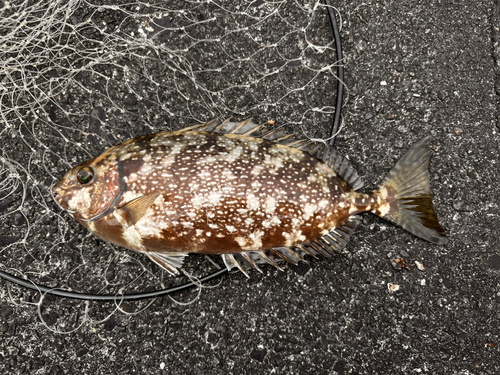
(411, 70)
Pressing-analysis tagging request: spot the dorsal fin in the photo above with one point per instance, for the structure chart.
(321, 151)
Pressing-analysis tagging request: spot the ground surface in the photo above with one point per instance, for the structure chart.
(411, 70)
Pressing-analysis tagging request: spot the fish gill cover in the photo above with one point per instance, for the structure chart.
(77, 77)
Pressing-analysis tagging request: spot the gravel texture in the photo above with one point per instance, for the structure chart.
(392, 303)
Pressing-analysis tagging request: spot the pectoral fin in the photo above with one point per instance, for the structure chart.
(131, 212)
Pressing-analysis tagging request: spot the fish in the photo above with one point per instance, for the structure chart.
(245, 191)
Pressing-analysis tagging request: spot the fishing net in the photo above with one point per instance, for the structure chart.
(77, 77)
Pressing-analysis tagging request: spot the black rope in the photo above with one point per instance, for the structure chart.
(110, 297)
(340, 71)
(180, 288)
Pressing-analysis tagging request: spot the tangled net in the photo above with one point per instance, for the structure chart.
(77, 77)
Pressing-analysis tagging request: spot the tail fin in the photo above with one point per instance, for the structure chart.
(404, 198)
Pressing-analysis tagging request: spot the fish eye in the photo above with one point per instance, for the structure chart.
(85, 175)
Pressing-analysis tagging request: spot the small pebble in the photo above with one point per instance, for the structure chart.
(461, 206)
(130, 99)
(472, 174)
(393, 287)
(5, 204)
(258, 354)
(110, 274)
(18, 219)
(369, 115)
(399, 143)
(419, 265)
(384, 236)
(6, 311)
(212, 338)
(81, 352)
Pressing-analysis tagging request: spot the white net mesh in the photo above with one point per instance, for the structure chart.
(77, 77)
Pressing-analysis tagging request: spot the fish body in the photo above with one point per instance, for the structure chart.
(233, 189)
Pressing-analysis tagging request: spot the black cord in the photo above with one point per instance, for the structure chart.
(340, 71)
(108, 297)
(179, 288)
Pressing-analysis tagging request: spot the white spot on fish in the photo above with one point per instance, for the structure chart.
(270, 204)
(241, 241)
(197, 201)
(253, 202)
(234, 154)
(309, 210)
(125, 156)
(323, 203)
(256, 185)
(256, 238)
(133, 238)
(294, 238)
(257, 170)
(214, 198)
(273, 221)
(324, 170)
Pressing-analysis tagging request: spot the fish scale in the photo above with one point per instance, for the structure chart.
(241, 190)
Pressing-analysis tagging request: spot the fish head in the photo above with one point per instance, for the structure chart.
(90, 190)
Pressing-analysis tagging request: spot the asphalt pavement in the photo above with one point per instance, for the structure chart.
(390, 304)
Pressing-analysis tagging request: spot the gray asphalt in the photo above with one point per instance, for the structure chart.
(412, 69)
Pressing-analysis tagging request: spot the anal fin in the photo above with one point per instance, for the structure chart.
(231, 262)
(251, 259)
(170, 262)
(335, 240)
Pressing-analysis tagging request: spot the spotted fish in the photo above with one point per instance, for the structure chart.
(240, 190)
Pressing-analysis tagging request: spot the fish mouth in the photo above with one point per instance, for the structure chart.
(58, 197)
